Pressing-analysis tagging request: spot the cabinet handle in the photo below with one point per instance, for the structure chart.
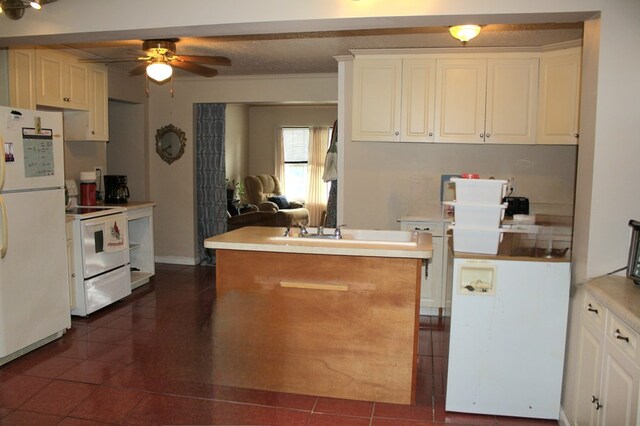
(596, 401)
(482, 135)
(430, 133)
(93, 132)
(619, 336)
(575, 135)
(590, 308)
(397, 133)
(487, 135)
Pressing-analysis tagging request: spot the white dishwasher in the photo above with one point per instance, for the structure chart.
(507, 342)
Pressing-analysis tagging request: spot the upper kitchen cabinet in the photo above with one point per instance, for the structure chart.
(559, 103)
(376, 99)
(486, 100)
(92, 125)
(22, 78)
(393, 99)
(61, 81)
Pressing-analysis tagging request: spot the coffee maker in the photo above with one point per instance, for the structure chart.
(115, 189)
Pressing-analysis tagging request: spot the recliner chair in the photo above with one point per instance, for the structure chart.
(259, 188)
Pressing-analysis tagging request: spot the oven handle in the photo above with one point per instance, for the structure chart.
(4, 228)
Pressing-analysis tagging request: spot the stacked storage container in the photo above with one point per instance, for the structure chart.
(478, 213)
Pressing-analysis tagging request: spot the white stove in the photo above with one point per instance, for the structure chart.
(100, 256)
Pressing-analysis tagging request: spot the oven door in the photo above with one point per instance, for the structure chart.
(106, 289)
(105, 244)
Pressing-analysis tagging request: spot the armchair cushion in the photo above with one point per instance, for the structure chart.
(280, 201)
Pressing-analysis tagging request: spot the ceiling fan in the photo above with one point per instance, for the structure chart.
(159, 56)
(14, 9)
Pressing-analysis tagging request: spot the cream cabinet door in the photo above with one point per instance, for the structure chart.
(22, 78)
(61, 81)
(99, 106)
(512, 97)
(460, 100)
(620, 382)
(376, 99)
(418, 100)
(590, 346)
(559, 97)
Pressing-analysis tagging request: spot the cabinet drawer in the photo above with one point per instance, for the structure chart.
(623, 337)
(435, 228)
(593, 310)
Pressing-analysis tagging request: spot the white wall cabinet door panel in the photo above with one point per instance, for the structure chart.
(588, 377)
(559, 97)
(512, 97)
(22, 78)
(620, 381)
(377, 99)
(418, 100)
(460, 100)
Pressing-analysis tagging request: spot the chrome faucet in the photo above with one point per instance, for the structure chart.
(338, 232)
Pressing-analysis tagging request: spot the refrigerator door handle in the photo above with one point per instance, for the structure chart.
(4, 238)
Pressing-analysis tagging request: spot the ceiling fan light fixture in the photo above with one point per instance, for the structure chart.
(35, 4)
(464, 33)
(159, 71)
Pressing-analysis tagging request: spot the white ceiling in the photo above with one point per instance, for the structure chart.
(313, 52)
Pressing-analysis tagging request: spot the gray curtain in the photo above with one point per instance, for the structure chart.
(211, 196)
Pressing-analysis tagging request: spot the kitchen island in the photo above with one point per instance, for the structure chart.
(335, 318)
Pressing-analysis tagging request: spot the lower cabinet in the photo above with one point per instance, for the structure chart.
(433, 293)
(608, 375)
(141, 250)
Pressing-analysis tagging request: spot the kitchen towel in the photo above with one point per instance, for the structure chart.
(116, 235)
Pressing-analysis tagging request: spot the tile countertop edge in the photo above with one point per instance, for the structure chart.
(620, 295)
(257, 238)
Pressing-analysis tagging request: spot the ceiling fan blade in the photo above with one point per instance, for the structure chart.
(139, 69)
(209, 60)
(195, 68)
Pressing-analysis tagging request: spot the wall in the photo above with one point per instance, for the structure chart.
(127, 150)
(265, 121)
(83, 156)
(400, 179)
(172, 186)
(236, 141)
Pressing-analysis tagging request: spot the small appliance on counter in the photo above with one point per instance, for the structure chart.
(88, 189)
(115, 189)
(516, 205)
(72, 192)
(633, 265)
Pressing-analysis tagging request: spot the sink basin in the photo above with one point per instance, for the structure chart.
(355, 236)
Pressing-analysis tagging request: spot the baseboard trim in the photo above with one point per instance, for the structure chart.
(563, 420)
(175, 260)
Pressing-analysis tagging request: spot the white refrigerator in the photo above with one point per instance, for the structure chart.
(34, 289)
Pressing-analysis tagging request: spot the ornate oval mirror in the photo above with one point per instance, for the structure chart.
(170, 142)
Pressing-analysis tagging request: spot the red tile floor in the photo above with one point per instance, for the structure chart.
(144, 360)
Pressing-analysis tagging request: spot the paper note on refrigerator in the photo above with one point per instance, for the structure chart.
(38, 153)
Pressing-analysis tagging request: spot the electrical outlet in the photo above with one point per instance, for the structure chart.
(98, 170)
(512, 185)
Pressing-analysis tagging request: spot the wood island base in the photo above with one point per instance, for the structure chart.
(325, 325)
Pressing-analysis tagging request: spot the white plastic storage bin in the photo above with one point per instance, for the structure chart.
(480, 191)
(482, 241)
(478, 215)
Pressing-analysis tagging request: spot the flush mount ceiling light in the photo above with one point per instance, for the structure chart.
(464, 33)
(14, 9)
(159, 71)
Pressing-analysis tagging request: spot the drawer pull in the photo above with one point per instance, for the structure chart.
(314, 286)
(620, 336)
(596, 401)
(590, 308)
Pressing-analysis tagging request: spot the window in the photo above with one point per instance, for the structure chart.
(295, 142)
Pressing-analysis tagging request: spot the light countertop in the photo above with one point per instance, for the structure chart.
(620, 295)
(133, 205)
(260, 238)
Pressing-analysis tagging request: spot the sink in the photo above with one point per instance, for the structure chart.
(355, 236)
